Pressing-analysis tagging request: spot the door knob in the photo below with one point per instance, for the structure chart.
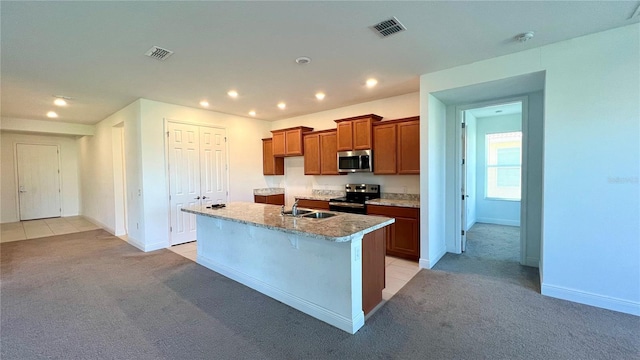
(22, 190)
(204, 197)
(197, 198)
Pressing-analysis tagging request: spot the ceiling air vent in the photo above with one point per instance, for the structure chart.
(158, 53)
(388, 27)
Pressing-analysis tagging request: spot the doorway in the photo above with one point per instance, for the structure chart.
(197, 168)
(491, 181)
(38, 175)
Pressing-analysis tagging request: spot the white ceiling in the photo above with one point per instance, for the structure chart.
(497, 110)
(93, 51)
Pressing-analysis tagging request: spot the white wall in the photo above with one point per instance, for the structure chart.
(433, 180)
(471, 126)
(297, 183)
(493, 211)
(97, 173)
(591, 201)
(68, 172)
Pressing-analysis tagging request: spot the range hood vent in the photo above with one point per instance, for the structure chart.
(158, 53)
(388, 27)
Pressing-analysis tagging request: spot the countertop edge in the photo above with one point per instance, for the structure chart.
(346, 238)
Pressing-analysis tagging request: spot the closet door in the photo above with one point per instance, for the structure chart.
(184, 180)
(38, 181)
(213, 166)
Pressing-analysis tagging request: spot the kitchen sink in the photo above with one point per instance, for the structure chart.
(319, 215)
(299, 212)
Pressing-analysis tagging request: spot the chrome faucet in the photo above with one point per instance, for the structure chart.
(294, 208)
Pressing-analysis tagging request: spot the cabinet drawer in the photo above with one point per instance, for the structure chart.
(393, 211)
(313, 204)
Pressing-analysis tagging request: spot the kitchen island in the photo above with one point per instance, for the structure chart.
(331, 269)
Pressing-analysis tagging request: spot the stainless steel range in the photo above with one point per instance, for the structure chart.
(354, 202)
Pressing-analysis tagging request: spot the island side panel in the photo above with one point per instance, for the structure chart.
(373, 268)
(319, 277)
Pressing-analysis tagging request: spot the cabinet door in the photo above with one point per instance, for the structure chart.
(312, 155)
(293, 142)
(313, 204)
(329, 154)
(409, 147)
(384, 149)
(271, 165)
(362, 134)
(406, 239)
(278, 144)
(345, 136)
(275, 199)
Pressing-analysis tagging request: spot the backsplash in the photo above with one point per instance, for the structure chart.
(268, 191)
(334, 193)
(397, 196)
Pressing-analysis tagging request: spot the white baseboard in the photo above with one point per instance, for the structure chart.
(471, 223)
(156, 246)
(533, 262)
(307, 307)
(98, 223)
(499, 221)
(429, 263)
(582, 297)
(135, 242)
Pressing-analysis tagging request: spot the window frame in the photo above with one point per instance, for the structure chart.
(488, 166)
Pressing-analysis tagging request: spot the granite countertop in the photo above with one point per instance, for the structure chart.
(268, 191)
(315, 197)
(341, 228)
(395, 202)
(322, 195)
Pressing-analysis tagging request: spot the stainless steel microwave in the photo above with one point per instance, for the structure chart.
(355, 161)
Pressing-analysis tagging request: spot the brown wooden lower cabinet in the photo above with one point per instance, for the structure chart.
(269, 199)
(373, 268)
(403, 238)
(313, 204)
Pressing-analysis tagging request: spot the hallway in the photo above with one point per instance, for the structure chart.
(492, 251)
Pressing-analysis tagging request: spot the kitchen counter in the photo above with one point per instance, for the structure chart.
(395, 202)
(340, 228)
(332, 269)
(268, 191)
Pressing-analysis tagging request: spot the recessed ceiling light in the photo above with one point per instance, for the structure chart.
(60, 102)
(320, 96)
(252, 113)
(204, 103)
(232, 93)
(303, 60)
(52, 114)
(371, 82)
(282, 105)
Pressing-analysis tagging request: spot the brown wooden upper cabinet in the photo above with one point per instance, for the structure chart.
(288, 142)
(271, 165)
(355, 133)
(320, 153)
(396, 146)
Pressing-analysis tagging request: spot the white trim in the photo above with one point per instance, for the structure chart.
(428, 264)
(307, 307)
(582, 297)
(156, 246)
(135, 242)
(498, 221)
(98, 223)
(532, 262)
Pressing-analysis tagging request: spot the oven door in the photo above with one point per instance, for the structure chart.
(353, 208)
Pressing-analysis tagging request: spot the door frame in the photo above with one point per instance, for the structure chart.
(459, 110)
(16, 177)
(165, 128)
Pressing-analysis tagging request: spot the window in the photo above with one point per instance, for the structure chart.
(503, 163)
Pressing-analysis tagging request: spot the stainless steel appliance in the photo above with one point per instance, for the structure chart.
(356, 196)
(355, 161)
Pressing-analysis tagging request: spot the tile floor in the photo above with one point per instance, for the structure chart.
(32, 229)
(398, 271)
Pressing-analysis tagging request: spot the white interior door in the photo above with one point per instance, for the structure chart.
(184, 180)
(213, 166)
(38, 181)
